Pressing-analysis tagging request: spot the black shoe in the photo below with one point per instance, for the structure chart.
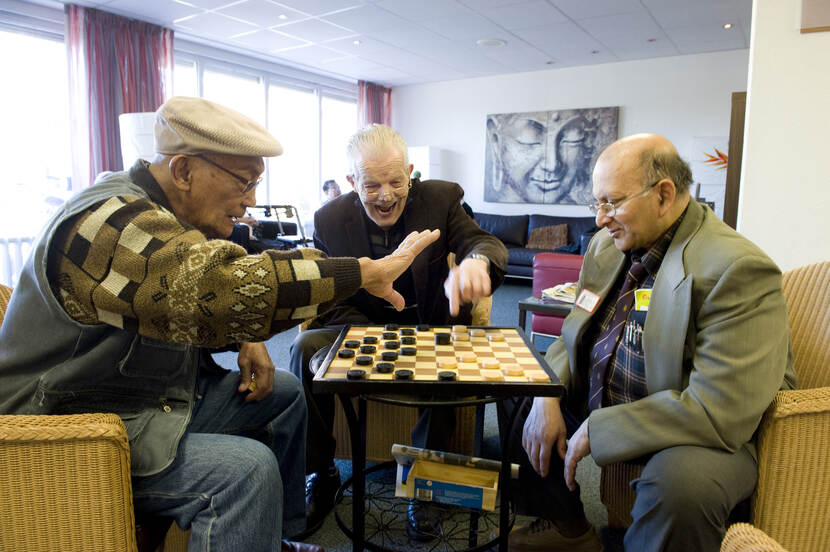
(421, 524)
(320, 490)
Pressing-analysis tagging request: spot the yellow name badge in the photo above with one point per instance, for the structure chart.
(642, 297)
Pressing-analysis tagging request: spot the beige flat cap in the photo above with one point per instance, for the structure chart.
(191, 126)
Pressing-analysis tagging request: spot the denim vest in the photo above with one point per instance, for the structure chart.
(51, 364)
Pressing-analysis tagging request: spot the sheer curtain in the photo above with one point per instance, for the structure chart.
(374, 104)
(116, 65)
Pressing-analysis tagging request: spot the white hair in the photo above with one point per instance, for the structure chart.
(374, 139)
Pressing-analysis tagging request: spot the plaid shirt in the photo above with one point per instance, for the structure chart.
(625, 378)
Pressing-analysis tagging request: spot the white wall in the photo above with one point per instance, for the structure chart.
(785, 187)
(680, 97)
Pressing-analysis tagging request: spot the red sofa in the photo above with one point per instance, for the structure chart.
(550, 269)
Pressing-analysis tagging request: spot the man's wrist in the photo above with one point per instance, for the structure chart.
(480, 257)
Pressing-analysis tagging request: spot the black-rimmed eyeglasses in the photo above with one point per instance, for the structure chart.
(247, 185)
(609, 208)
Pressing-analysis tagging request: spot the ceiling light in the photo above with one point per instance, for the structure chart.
(283, 16)
(550, 62)
(356, 42)
(727, 25)
(595, 51)
(651, 40)
(491, 42)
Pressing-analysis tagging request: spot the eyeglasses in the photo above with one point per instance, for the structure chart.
(247, 185)
(610, 208)
(395, 191)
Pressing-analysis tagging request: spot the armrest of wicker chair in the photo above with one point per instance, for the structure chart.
(65, 483)
(743, 537)
(792, 500)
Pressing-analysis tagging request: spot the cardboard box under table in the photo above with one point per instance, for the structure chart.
(448, 478)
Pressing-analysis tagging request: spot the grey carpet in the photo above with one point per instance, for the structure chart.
(504, 313)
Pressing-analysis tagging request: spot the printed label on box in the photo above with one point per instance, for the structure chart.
(448, 493)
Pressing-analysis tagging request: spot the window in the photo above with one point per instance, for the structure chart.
(292, 119)
(339, 118)
(34, 145)
(185, 79)
(240, 92)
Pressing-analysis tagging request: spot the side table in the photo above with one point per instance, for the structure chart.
(542, 306)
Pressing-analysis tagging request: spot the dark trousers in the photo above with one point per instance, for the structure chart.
(684, 496)
(547, 497)
(433, 430)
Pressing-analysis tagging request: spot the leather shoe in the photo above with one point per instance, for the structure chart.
(289, 546)
(320, 491)
(421, 524)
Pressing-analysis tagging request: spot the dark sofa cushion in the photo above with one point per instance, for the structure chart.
(510, 229)
(576, 225)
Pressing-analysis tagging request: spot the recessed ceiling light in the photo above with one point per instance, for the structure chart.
(550, 62)
(356, 42)
(594, 51)
(651, 40)
(283, 16)
(491, 42)
(727, 25)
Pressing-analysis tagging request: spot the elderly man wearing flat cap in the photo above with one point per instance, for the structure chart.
(122, 297)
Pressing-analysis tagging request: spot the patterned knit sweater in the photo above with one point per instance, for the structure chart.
(129, 262)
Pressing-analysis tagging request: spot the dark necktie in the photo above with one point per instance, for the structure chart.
(604, 348)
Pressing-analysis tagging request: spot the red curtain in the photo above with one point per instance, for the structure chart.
(374, 104)
(116, 65)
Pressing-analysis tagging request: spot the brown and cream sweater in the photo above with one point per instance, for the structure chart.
(127, 261)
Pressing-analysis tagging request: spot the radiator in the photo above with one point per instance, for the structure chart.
(13, 253)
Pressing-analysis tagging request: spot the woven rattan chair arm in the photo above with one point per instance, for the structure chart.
(743, 537)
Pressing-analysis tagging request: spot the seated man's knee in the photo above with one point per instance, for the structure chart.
(674, 481)
(251, 463)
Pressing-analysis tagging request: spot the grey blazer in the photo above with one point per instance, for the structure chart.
(716, 344)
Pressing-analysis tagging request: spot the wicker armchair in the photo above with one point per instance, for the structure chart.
(742, 537)
(792, 501)
(65, 483)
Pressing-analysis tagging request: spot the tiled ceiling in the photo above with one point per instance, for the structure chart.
(398, 42)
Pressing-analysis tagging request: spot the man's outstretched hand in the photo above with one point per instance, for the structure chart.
(377, 275)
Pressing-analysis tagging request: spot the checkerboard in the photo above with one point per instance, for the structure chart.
(487, 356)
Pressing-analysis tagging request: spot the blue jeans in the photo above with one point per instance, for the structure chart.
(238, 479)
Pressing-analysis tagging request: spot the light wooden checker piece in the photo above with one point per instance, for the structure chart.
(516, 363)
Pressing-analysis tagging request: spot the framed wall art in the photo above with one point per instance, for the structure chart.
(545, 156)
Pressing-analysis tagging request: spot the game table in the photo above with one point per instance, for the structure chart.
(444, 363)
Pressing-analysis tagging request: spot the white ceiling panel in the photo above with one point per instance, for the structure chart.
(522, 58)
(210, 4)
(524, 15)
(706, 38)
(639, 28)
(260, 13)
(411, 41)
(313, 55)
(471, 26)
(659, 48)
(367, 19)
(681, 13)
(419, 10)
(211, 24)
(582, 9)
(163, 12)
(319, 7)
(485, 4)
(315, 30)
(265, 40)
(561, 40)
